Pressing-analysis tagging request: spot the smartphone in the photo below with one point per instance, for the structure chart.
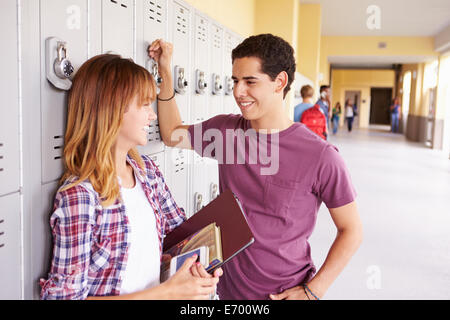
(202, 257)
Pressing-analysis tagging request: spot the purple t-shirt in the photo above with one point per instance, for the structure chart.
(281, 180)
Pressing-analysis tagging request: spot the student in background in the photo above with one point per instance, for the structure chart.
(336, 114)
(349, 114)
(316, 121)
(281, 205)
(395, 114)
(324, 101)
(114, 207)
(307, 93)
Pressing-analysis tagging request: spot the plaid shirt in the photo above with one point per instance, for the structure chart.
(91, 242)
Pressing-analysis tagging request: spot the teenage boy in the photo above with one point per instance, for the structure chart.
(324, 101)
(280, 193)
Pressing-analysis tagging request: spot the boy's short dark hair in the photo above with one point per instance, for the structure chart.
(323, 88)
(276, 55)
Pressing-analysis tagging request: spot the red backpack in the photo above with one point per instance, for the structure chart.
(315, 120)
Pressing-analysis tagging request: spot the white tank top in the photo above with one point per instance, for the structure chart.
(143, 265)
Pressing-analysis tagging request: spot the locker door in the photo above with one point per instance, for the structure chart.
(177, 176)
(66, 20)
(155, 23)
(181, 36)
(118, 27)
(177, 159)
(216, 101)
(212, 179)
(217, 78)
(41, 238)
(229, 102)
(236, 41)
(198, 195)
(10, 244)
(9, 108)
(200, 70)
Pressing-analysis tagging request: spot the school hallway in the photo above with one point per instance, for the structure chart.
(403, 189)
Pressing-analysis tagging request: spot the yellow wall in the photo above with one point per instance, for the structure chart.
(309, 36)
(368, 46)
(277, 17)
(281, 19)
(236, 15)
(359, 80)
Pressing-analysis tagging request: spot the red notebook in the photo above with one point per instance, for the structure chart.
(226, 211)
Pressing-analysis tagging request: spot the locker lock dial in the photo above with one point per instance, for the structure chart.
(198, 201)
(214, 191)
(180, 80)
(58, 68)
(229, 85)
(63, 67)
(217, 84)
(152, 67)
(200, 82)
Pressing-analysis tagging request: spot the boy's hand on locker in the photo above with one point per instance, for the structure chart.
(161, 51)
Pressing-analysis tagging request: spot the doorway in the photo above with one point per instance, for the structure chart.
(380, 102)
(355, 99)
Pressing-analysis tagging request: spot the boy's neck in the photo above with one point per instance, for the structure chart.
(308, 100)
(274, 121)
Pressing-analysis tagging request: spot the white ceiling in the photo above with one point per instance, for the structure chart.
(398, 17)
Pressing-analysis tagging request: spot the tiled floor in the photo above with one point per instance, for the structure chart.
(403, 200)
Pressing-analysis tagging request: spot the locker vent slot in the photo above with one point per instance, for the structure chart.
(201, 31)
(2, 244)
(179, 162)
(123, 5)
(58, 146)
(217, 39)
(155, 160)
(1, 157)
(181, 21)
(228, 43)
(156, 12)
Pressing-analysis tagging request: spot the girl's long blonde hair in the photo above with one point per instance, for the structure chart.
(101, 92)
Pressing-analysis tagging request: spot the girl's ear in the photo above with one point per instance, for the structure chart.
(281, 81)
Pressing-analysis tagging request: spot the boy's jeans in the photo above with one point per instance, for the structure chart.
(394, 122)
